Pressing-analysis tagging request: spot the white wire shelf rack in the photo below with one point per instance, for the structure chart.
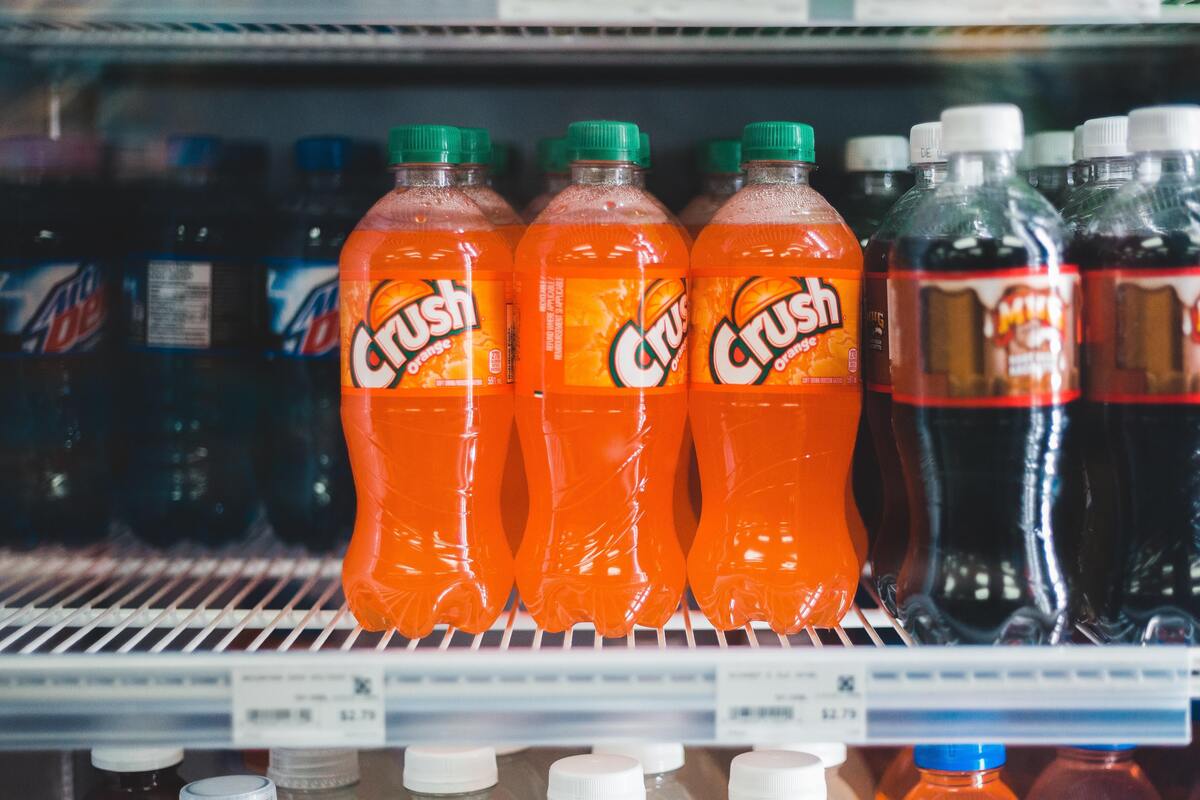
(121, 645)
(368, 31)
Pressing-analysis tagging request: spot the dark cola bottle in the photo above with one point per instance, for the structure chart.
(1141, 259)
(985, 380)
(888, 530)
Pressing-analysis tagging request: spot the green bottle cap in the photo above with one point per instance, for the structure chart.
(425, 144)
(602, 140)
(501, 159)
(643, 159)
(721, 157)
(778, 141)
(552, 155)
(476, 146)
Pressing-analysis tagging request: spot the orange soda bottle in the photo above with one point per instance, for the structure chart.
(601, 394)
(556, 174)
(775, 394)
(721, 168)
(474, 178)
(427, 399)
(1093, 772)
(960, 771)
(899, 778)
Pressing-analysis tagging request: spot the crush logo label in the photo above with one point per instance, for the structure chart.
(648, 348)
(772, 320)
(432, 333)
(70, 316)
(313, 329)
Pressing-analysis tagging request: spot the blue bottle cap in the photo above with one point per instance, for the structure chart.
(958, 757)
(323, 153)
(1102, 747)
(193, 151)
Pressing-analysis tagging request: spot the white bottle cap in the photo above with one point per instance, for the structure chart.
(994, 127)
(832, 754)
(876, 154)
(1160, 128)
(1025, 157)
(776, 775)
(1106, 137)
(313, 769)
(655, 758)
(508, 750)
(229, 787)
(596, 777)
(925, 144)
(1053, 149)
(135, 759)
(1077, 146)
(449, 770)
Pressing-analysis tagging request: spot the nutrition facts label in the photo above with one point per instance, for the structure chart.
(774, 704)
(179, 304)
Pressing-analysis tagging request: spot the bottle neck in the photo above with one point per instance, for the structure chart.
(794, 172)
(981, 169)
(1110, 169)
(926, 176)
(440, 175)
(639, 178)
(474, 175)
(1180, 166)
(604, 173)
(135, 781)
(960, 780)
(1096, 757)
(555, 182)
(874, 183)
(323, 181)
(724, 185)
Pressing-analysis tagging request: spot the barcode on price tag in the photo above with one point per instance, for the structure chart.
(826, 702)
(308, 705)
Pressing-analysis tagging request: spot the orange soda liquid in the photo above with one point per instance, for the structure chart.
(601, 404)
(982, 785)
(774, 401)
(514, 492)
(427, 403)
(899, 778)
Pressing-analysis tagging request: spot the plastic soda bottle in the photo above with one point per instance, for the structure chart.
(556, 173)
(473, 179)
(984, 317)
(1079, 164)
(1093, 772)
(143, 773)
(426, 310)
(596, 777)
(467, 772)
(775, 395)
(721, 168)
(1053, 154)
(961, 771)
(601, 394)
(1105, 166)
(314, 773)
(899, 778)
(661, 763)
(876, 174)
(889, 538)
(1141, 264)
(194, 338)
(777, 775)
(307, 486)
(845, 778)
(56, 308)
(230, 787)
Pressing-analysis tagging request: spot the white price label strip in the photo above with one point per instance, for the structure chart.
(777, 704)
(308, 705)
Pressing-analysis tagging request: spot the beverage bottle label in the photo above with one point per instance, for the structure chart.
(53, 308)
(1142, 340)
(184, 304)
(875, 339)
(987, 339)
(782, 332)
(610, 333)
(434, 335)
(303, 308)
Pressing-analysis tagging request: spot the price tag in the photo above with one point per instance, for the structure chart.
(308, 705)
(824, 702)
